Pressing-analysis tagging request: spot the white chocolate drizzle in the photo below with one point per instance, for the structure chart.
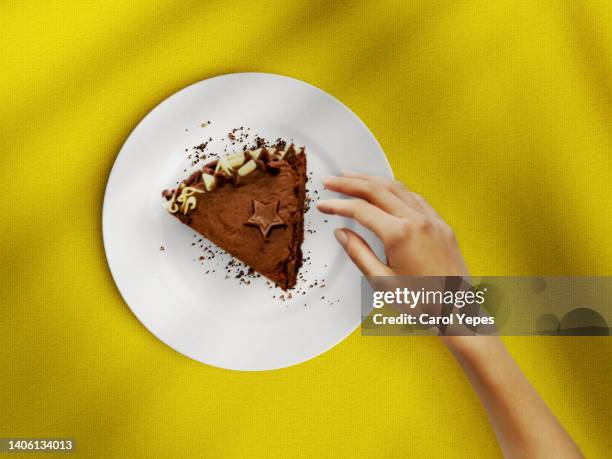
(183, 199)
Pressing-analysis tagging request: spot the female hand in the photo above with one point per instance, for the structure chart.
(418, 243)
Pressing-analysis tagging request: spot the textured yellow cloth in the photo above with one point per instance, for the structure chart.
(499, 112)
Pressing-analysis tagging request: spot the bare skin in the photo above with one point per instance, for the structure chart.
(419, 243)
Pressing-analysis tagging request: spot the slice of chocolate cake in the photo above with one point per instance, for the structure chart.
(252, 205)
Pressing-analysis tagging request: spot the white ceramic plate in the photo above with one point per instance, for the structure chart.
(214, 320)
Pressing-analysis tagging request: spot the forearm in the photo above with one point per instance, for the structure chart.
(524, 425)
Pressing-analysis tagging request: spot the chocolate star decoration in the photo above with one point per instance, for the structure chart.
(265, 216)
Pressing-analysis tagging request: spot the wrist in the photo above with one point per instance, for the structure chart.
(472, 348)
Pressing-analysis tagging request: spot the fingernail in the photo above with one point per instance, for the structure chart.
(348, 173)
(326, 179)
(320, 204)
(341, 236)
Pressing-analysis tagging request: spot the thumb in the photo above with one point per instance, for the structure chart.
(361, 253)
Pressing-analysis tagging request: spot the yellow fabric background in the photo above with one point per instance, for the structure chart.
(499, 112)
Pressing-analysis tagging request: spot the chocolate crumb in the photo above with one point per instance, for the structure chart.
(280, 144)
